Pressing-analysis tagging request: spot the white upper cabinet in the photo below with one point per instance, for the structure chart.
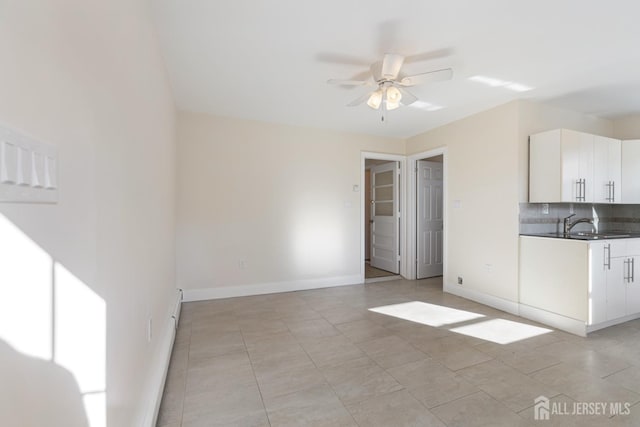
(631, 171)
(570, 166)
(607, 170)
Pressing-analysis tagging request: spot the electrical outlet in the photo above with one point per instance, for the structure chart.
(149, 329)
(459, 280)
(545, 209)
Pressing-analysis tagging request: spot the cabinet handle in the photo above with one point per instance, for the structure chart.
(607, 256)
(633, 272)
(608, 198)
(584, 189)
(625, 277)
(613, 191)
(578, 189)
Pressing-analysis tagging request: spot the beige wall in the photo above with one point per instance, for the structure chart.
(627, 127)
(487, 172)
(88, 78)
(482, 241)
(263, 203)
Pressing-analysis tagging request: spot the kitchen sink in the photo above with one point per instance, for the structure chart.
(585, 235)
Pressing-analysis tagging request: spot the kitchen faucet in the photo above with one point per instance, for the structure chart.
(568, 225)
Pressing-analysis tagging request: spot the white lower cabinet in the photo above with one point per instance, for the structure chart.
(615, 289)
(633, 288)
(579, 285)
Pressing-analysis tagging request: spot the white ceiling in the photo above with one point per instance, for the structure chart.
(270, 60)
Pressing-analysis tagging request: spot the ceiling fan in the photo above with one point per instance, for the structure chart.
(390, 93)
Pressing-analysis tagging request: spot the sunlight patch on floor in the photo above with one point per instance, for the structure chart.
(501, 331)
(427, 314)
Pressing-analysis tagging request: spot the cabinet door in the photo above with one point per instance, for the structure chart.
(633, 287)
(617, 288)
(631, 171)
(606, 170)
(577, 166)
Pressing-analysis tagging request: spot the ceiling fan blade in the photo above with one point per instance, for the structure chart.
(359, 100)
(391, 65)
(348, 82)
(339, 58)
(407, 97)
(431, 76)
(428, 56)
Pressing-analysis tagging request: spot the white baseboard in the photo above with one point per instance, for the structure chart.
(160, 367)
(558, 321)
(482, 298)
(269, 288)
(608, 323)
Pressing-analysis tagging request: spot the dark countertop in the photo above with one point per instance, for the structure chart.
(586, 236)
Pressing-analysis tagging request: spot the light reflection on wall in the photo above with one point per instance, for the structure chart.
(318, 242)
(48, 313)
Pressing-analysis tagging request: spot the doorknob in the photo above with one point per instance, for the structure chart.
(370, 221)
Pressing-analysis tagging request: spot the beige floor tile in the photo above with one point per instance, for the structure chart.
(391, 351)
(442, 389)
(294, 353)
(463, 358)
(315, 406)
(393, 409)
(518, 391)
(492, 370)
(343, 314)
(524, 360)
(205, 345)
(628, 378)
(362, 330)
(478, 409)
(312, 329)
(225, 406)
(583, 386)
(419, 372)
(332, 350)
(219, 372)
(360, 379)
(278, 383)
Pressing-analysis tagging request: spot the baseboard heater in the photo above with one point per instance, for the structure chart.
(177, 309)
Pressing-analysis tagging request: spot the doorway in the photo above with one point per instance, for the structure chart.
(427, 222)
(429, 217)
(381, 219)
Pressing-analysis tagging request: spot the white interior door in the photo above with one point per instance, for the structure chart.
(385, 216)
(430, 221)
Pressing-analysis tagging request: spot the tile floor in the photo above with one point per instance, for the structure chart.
(372, 272)
(322, 358)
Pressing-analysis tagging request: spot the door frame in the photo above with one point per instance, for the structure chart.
(412, 220)
(402, 192)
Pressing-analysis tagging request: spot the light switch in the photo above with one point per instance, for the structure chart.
(50, 173)
(8, 163)
(24, 167)
(37, 170)
(356, 188)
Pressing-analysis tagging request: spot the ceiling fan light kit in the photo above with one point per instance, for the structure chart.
(390, 93)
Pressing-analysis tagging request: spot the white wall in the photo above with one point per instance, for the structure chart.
(261, 203)
(87, 77)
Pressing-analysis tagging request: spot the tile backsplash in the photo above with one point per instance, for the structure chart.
(606, 218)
